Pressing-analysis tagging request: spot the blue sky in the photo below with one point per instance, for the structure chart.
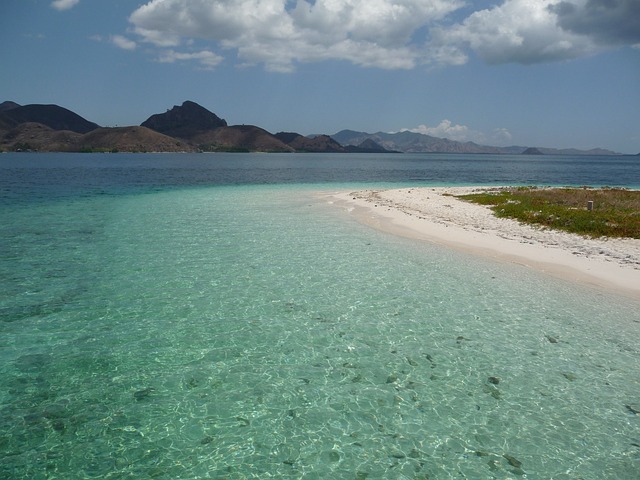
(547, 73)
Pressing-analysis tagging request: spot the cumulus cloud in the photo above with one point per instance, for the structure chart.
(64, 4)
(447, 129)
(123, 42)
(388, 34)
(206, 58)
(462, 133)
(610, 22)
(517, 31)
(501, 136)
(279, 33)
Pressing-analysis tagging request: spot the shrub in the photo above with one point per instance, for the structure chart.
(616, 211)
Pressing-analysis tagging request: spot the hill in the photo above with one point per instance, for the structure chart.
(532, 151)
(191, 127)
(185, 121)
(369, 146)
(326, 144)
(129, 139)
(205, 131)
(316, 144)
(239, 138)
(38, 137)
(53, 116)
(8, 106)
(411, 142)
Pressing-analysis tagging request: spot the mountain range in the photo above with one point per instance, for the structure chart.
(411, 142)
(192, 128)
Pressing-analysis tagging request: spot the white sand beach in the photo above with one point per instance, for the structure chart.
(433, 214)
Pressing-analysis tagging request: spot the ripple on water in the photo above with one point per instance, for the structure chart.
(248, 332)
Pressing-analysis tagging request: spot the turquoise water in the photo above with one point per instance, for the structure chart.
(259, 332)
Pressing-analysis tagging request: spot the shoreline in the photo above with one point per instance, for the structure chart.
(433, 214)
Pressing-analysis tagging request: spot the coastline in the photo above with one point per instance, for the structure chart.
(433, 214)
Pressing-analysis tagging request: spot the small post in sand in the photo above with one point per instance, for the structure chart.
(590, 205)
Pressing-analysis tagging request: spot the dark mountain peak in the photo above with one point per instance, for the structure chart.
(317, 143)
(287, 137)
(532, 151)
(8, 105)
(184, 121)
(239, 138)
(53, 116)
(371, 146)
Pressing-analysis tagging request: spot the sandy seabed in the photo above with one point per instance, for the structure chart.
(434, 214)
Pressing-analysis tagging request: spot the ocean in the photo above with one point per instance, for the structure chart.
(212, 316)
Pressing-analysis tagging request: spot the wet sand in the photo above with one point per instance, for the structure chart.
(435, 215)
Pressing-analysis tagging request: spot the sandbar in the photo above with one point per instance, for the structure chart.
(433, 214)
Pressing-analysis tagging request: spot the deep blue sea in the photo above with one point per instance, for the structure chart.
(210, 316)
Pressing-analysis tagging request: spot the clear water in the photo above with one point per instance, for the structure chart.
(255, 331)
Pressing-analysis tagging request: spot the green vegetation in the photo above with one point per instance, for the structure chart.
(217, 147)
(108, 150)
(615, 213)
(23, 147)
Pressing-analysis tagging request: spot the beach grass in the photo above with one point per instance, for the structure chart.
(615, 212)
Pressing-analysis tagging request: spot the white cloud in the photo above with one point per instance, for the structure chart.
(206, 58)
(279, 33)
(517, 31)
(446, 129)
(388, 34)
(37, 36)
(123, 42)
(501, 136)
(64, 4)
(462, 133)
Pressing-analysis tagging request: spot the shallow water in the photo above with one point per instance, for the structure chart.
(257, 331)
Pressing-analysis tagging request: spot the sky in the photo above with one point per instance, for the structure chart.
(538, 73)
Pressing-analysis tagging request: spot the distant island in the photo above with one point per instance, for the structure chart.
(192, 128)
(532, 151)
